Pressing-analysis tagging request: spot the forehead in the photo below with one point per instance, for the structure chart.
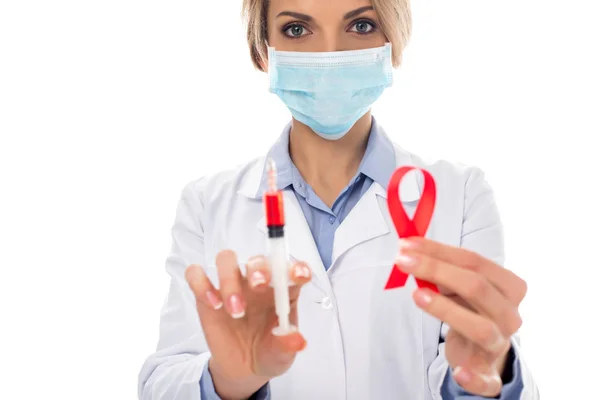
(316, 8)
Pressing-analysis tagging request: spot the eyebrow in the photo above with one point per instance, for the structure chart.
(296, 15)
(308, 18)
(357, 12)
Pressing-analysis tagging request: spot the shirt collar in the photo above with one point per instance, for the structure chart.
(378, 163)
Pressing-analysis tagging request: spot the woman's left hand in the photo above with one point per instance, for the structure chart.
(478, 299)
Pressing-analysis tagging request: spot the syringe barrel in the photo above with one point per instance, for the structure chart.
(278, 262)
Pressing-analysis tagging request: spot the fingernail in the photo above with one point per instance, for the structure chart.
(302, 271)
(423, 298)
(214, 300)
(255, 261)
(461, 375)
(236, 307)
(405, 261)
(498, 344)
(491, 379)
(406, 244)
(257, 278)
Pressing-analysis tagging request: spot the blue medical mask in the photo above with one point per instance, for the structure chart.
(330, 91)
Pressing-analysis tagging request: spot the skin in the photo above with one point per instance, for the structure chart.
(478, 299)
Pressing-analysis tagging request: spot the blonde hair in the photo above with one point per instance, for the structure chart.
(394, 18)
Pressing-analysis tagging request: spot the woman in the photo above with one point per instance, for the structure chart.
(329, 61)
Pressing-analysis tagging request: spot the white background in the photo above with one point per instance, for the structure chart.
(108, 108)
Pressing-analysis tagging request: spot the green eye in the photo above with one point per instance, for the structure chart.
(295, 31)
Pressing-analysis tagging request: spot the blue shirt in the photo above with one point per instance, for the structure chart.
(377, 165)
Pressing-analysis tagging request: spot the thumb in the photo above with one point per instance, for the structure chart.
(291, 343)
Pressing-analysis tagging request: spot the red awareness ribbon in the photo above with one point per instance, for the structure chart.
(407, 227)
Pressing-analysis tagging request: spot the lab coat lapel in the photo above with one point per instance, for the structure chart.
(365, 221)
(300, 241)
(370, 217)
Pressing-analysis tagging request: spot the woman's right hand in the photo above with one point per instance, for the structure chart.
(237, 321)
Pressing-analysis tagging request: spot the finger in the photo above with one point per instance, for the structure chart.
(479, 384)
(300, 273)
(473, 287)
(478, 329)
(230, 283)
(202, 287)
(258, 273)
(511, 285)
(291, 343)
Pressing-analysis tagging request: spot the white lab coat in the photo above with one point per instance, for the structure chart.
(363, 342)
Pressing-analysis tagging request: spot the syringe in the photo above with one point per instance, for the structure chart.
(277, 252)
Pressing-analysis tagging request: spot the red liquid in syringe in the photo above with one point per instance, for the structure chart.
(273, 200)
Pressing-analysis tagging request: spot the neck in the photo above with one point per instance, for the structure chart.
(329, 165)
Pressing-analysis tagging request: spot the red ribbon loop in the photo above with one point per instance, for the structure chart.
(407, 227)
